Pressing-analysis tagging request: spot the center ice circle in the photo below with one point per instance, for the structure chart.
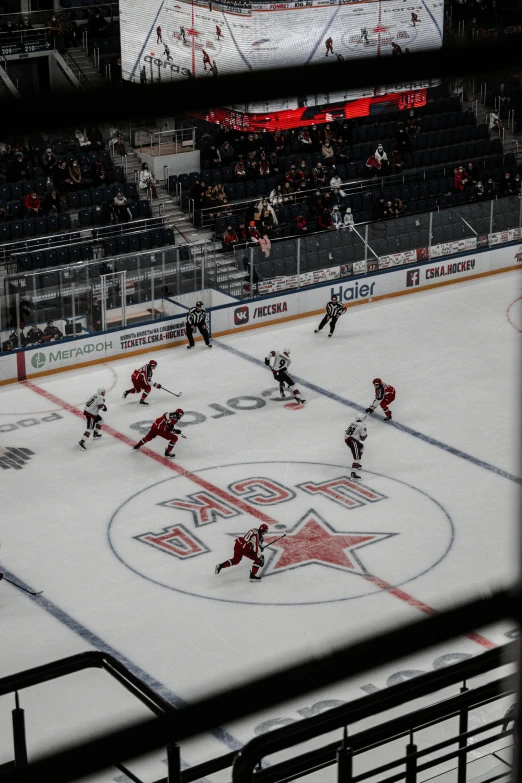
(342, 540)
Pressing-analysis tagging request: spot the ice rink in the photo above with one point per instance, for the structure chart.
(124, 543)
(268, 35)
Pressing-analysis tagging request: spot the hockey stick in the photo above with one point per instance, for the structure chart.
(174, 393)
(20, 586)
(272, 542)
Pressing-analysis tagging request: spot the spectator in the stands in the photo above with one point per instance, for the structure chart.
(253, 233)
(279, 143)
(8, 29)
(96, 25)
(123, 213)
(403, 141)
(317, 137)
(495, 123)
(55, 33)
(292, 142)
(230, 239)
(506, 186)
(213, 157)
(490, 188)
(96, 314)
(301, 226)
(470, 176)
(218, 194)
(17, 171)
(95, 136)
(5, 213)
(265, 245)
(264, 165)
(85, 169)
(397, 161)
(347, 131)
(240, 170)
(459, 179)
(328, 154)
(348, 219)
(276, 195)
(99, 174)
(147, 182)
(53, 203)
(382, 158)
(75, 175)
(49, 163)
(341, 151)
(82, 139)
(398, 207)
(62, 179)
(324, 220)
(251, 165)
(305, 140)
(379, 209)
(287, 193)
(293, 177)
(337, 218)
(32, 205)
(412, 125)
(517, 184)
(34, 335)
(319, 175)
(275, 166)
(227, 153)
(389, 210)
(373, 167)
(476, 192)
(267, 221)
(52, 331)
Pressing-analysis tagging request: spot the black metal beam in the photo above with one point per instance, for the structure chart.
(58, 111)
(267, 691)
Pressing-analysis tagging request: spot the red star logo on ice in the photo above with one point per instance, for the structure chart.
(380, 29)
(313, 540)
(192, 31)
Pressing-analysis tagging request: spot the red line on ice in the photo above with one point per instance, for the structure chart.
(509, 317)
(241, 504)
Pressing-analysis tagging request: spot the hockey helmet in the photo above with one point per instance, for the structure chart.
(376, 381)
(101, 390)
(153, 363)
(263, 528)
(334, 298)
(180, 413)
(287, 351)
(199, 304)
(359, 417)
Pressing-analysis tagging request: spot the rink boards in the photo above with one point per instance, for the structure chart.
(275, 307)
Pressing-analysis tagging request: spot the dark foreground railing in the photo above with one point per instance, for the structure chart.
(294, 681)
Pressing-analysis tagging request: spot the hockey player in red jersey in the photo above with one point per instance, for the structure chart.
(396, 49)
(384, 395)
(141, 380)
(414, 18)
(248, 546)
(206, 60)
(219, 32)
(164, 427)
(329, 46)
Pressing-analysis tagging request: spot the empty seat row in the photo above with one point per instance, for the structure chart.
(19, 229)
(86, 198)
(70, 254)
(17, 190)
(133, 243)
(99, 215)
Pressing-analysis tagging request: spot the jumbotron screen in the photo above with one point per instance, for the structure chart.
(178, 39)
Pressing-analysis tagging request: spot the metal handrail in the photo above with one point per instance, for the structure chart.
(84, 81)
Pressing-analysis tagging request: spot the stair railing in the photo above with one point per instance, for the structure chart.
(85, 44)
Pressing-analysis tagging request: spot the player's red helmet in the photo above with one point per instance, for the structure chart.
(153, 363)
(377, 381)
(263, 528)
(180, 413)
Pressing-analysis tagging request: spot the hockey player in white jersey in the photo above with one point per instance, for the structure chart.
(279, 362)
(354, 437)
(93, 406)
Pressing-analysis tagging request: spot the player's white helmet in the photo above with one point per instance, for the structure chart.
(287, 351)
(359, 417)
(101, 390)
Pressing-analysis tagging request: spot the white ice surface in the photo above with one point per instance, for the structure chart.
(453, 357)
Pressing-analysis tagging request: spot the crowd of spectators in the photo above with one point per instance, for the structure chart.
(74, 169)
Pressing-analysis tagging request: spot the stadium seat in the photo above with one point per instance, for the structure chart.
(122, 246)
(28, 228)
(73, 253)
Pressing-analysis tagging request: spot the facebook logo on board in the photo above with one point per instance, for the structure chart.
(412, 278)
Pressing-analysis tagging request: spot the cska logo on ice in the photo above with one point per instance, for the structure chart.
(333, 539)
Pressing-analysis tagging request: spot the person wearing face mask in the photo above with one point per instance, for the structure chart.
(55, 33)
(459, 179)
(382, 158)
(8, 29)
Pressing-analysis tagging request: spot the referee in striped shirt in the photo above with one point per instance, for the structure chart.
(196, 320)
(334, 310)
